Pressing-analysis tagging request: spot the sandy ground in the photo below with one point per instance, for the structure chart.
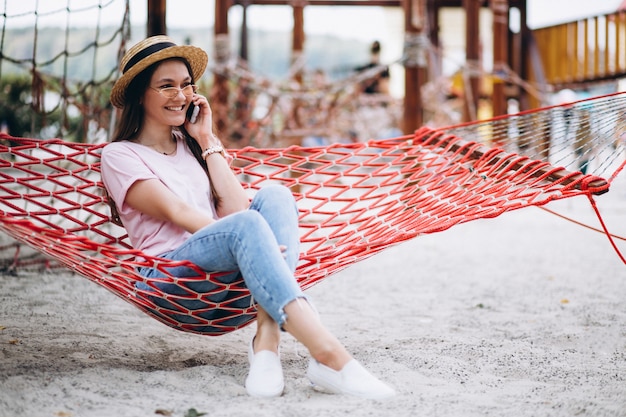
(522, 315)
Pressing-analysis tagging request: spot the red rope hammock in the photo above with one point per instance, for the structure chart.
(355, 200)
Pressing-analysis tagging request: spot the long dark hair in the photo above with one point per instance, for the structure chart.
(132, 118)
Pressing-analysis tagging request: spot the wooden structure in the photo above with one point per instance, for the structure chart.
(547, 56)
(581, 52)
(421, 27)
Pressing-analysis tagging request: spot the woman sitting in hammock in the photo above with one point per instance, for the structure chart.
(178, 199)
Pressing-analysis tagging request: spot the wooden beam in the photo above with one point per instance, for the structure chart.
(522, 53)
(221, 16)
(500, 9)
(156, 18)
(298, 32)
(220, 89)
(432, 11)
(416, 63)
(243, 52)
(472, 57)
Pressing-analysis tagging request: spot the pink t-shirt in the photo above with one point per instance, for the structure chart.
(123, 163)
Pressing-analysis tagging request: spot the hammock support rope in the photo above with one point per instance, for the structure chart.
(355, 200)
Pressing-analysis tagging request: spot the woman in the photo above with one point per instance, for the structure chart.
(178, 198)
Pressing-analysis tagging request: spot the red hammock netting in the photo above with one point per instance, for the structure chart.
(355, 200)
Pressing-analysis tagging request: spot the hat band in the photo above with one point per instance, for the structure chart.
(146, 53)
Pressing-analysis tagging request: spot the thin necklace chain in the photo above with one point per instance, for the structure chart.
(164, 153)
(154, 147)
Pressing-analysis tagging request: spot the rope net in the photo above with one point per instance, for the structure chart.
(355, 200)
(57, 65)
(58, 62)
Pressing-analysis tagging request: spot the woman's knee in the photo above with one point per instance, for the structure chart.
(275, 200)
(249, 220)
(275, 193)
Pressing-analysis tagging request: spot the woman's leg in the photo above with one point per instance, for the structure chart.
(267, 335)
(304, 324)
(250, 242)
(332, 367)
(243, 242)
(277, 206)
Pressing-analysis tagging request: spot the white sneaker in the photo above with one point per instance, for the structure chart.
(353, 379)
(265, 378)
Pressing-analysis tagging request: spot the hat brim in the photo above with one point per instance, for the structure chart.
(196, 57)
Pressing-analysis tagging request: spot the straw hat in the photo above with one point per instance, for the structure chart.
(147, 52)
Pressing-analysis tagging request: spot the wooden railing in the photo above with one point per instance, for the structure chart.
(593, 49)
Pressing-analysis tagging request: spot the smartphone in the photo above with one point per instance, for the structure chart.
(192, 113)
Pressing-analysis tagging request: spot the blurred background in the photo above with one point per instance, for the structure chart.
(317, 72)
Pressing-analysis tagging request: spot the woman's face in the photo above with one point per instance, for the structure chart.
(160, 109)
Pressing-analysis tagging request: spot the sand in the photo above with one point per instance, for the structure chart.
(521, 315)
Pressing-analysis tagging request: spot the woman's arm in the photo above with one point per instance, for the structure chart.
(223, 179)
(153, 198)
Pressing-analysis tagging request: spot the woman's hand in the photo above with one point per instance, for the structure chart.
(233, 197)
(202, 129)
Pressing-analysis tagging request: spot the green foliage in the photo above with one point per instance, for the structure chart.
(15, 110)
(66, 117)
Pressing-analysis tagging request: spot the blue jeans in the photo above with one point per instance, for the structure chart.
(246, 244)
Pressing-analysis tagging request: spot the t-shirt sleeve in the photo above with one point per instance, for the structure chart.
(120, 168)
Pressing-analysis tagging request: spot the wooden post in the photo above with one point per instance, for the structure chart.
(575, 48)
(156, 18)
(586, 57)
(297, 46)
(432, 11)
(596, 49)
(243, 52)
(219, 95)
(500, 9)
(221, 17)
(416, 46)
(297, 49)
(524, 54)
(472, 58)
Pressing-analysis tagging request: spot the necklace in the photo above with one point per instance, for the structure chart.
(165, 153)
(159, 151)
